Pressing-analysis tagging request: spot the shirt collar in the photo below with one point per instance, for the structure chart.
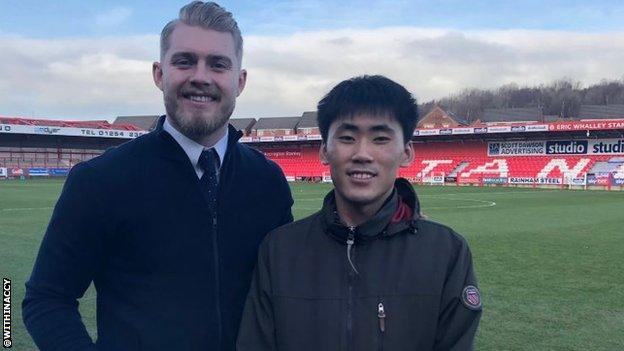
(194, 149)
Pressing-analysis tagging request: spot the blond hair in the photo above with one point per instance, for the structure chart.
(207, 15)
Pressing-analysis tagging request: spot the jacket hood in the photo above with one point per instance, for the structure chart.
(381, 224)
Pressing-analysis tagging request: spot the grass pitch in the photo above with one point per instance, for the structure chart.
(549, 262)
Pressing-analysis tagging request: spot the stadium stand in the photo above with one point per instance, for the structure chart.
(25, 157)
(297, 161)
(468, 161)
(516, 153)
(35, 147)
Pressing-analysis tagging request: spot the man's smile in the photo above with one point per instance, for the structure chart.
(200, 97)
(361, 174)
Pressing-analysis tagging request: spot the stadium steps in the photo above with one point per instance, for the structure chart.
(619, 171)
(460, 167)
(602, 166)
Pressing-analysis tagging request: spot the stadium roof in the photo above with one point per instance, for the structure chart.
(146, 122)
(554, 118)
(439, 117)
(459, 119)
(98, 124)
(601, 112)
(277, 123)
(244, 124)
(511, 114)
(308, 120)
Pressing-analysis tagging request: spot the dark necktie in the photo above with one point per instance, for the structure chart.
(209, 163)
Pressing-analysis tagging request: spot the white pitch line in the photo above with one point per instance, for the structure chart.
(24, 209)
(533, 191)
(459, 194)
(486, 204)
(492, 193)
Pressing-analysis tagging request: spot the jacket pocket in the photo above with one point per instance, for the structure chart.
(409, 322)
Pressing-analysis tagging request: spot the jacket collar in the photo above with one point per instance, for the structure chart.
(380, 224)
(172, 150)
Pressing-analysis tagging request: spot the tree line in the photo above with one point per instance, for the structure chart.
(562, 98)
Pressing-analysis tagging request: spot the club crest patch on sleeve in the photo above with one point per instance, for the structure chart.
(471, 298)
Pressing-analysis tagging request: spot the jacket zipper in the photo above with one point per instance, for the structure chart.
(352, 273)
(215, 245)
(381, 316)
(350, 242)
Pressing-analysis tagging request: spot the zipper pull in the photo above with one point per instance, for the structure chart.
(381, 314)
(351, 236)
(350, 242)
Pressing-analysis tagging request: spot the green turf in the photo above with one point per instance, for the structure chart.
(549, 262)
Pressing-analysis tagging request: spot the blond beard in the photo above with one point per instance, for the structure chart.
(198, 128)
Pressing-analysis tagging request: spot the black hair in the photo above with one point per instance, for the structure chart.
(375, 95)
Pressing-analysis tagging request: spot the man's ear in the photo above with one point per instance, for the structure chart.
(408, 155)
(242, 81)
(323, 154)
(157, 74)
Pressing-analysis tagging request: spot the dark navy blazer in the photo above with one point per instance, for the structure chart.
(167, 276)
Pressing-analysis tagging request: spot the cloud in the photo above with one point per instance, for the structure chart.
(292, 73)
(288, 74)
(113, 17)
(78, 78)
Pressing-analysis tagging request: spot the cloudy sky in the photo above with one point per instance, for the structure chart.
(77, 59)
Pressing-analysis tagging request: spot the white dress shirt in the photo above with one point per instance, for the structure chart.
(194, 149)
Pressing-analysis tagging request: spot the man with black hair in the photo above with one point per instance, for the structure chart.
(366, 272)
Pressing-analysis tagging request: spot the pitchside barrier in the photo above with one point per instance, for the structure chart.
(36, 172)
(326, 177)
(605, 181)
(434, 179)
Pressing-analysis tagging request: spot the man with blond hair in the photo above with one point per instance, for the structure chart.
(166, 226)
